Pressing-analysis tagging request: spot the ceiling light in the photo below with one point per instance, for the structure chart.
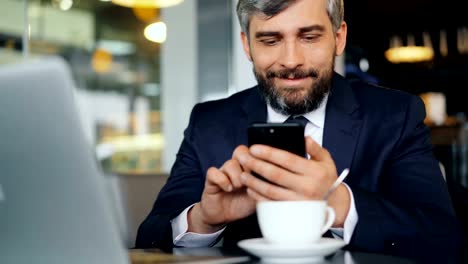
(147, 15)
(65, 4)
(409, 54)
(147, 3)
(156, 32)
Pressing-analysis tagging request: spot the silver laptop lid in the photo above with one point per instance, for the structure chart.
(53, 202)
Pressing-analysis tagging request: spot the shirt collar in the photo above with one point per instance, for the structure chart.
(316, 117)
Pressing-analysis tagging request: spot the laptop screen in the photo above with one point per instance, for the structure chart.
(53, 202)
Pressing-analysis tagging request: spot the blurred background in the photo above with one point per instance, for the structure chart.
(139, 68)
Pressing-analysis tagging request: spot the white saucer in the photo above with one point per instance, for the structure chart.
(274, 253)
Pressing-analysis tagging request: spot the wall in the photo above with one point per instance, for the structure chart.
(178, 75)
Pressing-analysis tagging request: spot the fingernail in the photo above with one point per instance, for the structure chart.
(229, 188)
(256, 150)
(242, 159)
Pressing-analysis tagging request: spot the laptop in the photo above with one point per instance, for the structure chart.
(53, 202)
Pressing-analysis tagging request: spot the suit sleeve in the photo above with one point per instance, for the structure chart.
(412, 209)
(182, 189)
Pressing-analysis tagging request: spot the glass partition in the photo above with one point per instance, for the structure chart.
(115, 68)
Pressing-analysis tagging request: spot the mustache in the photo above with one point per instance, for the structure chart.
(292, 73)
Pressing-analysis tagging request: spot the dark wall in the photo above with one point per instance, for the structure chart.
(372, 23)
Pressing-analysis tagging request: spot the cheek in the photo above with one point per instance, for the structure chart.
(263, 60)
(320, 58)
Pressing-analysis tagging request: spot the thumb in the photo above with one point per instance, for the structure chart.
(315, 151)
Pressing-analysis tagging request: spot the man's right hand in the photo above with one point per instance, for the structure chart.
(224, 198)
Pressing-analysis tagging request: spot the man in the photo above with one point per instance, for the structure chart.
(394, 201)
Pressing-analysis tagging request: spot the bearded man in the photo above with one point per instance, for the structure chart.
(394, 200)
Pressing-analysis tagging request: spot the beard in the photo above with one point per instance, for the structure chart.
(290, 100)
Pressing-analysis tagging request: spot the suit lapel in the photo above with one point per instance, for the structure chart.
(343, 124)
(253, 110)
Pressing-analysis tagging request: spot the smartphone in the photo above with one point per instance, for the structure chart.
(285, 136)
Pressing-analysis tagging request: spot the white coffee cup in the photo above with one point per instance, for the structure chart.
(294, 222)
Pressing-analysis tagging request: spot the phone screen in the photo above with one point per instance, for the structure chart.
(286, 136)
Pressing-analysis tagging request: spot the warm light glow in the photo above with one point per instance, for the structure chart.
(147, 3)
(156, 32)
(134, 143)
(409, 54)
(101, 61)
(145, 14)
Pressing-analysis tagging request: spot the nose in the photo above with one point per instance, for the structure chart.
(292, 55)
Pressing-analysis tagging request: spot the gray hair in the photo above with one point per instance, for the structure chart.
(269, 8)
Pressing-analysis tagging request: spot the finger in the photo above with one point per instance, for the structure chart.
(217, 181)
(315, 151)
(282, 158)
(267, 190)
(233, 169)
(270, 171)
(256, 196)
(280, 176)
(238, 154)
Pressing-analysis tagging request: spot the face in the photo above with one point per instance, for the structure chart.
(293, 55)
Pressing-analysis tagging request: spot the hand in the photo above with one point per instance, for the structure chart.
(224, 198)
(296, 178)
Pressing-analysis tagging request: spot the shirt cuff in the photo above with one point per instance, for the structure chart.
(182, 238)
(350, 221)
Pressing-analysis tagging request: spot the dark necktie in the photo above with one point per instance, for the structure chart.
(301, 120)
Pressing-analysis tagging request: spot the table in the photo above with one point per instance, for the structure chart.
(221, 255)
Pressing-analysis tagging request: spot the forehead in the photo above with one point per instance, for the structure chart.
(300, 14)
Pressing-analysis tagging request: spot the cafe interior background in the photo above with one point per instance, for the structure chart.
(139, 69)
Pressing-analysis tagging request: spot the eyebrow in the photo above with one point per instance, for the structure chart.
(302, 30)
(262, 34)
(319, 28)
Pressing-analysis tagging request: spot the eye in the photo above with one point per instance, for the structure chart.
(269, 42)
(310, 38)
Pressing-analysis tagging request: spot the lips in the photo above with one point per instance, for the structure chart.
(292, 81)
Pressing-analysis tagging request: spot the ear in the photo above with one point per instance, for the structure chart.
(341, 38)
(245, 44)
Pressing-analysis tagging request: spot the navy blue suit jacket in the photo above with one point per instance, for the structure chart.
(401, 198)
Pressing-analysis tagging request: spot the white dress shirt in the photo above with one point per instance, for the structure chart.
(313, 129)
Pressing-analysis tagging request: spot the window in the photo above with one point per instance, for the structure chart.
(115, 68)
